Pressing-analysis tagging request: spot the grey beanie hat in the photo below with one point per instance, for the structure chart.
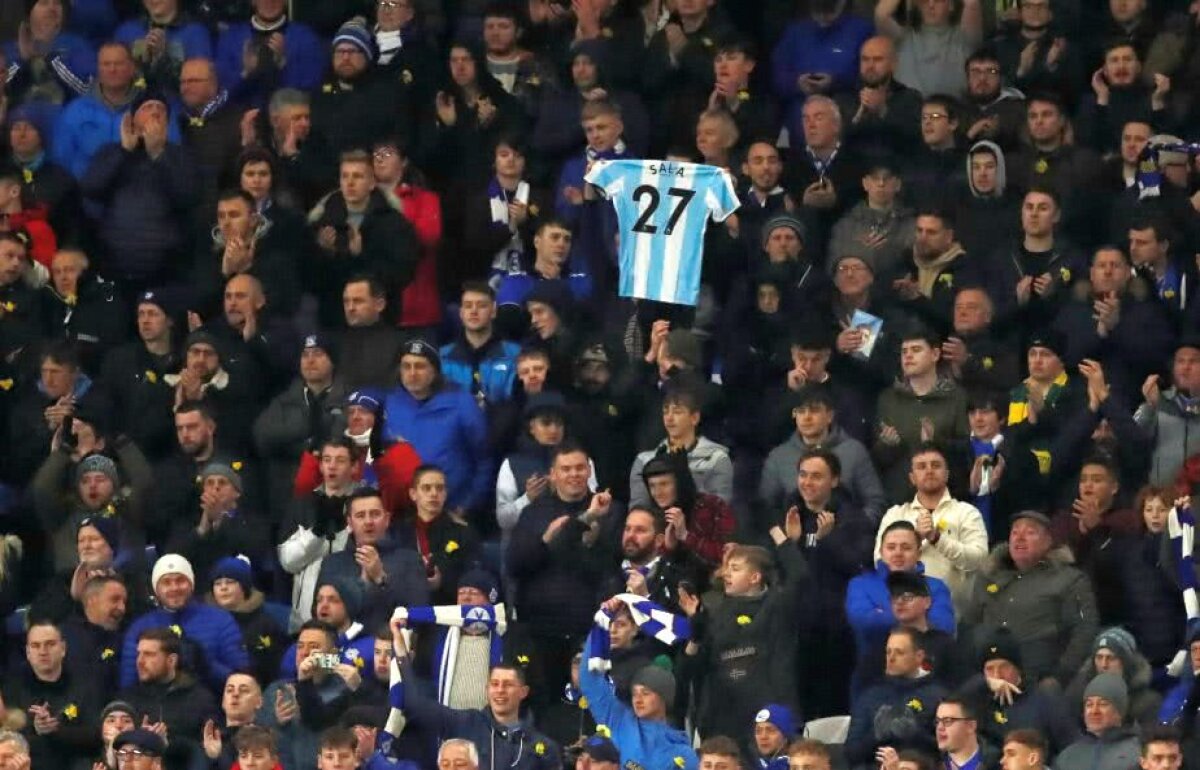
(99, 463)
(225, 471)
(784, 220)
(1120, 642)
(1111, 688)
(657, 680)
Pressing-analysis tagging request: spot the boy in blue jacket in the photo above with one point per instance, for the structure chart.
(869, 602)
(642, 732)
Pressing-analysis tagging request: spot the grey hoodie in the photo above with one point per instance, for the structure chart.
(859, 479)
(1001, 169)
(708, 461)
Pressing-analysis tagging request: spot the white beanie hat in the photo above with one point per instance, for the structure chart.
(172, 564)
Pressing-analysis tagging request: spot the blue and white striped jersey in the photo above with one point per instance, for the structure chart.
(663, 208)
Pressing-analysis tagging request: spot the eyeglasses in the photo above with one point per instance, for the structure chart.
(847, 269)
(984, 70)
(384, 154)
(929, 117)
(124, 755)
(947, 721)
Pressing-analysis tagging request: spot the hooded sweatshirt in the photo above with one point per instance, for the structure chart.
(986, 219)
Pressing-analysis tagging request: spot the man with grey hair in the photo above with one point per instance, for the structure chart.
(824, 180)
(458, 754)
(14, 751)
(306, 162)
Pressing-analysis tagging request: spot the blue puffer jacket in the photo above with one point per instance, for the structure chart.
(211, 628)
(869, 606)
(449, 431)
(643, 743)
(497, 370)
(304, 51)
(184, 41)
(89, 123)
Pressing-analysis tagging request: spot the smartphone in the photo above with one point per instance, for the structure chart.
(327, 660)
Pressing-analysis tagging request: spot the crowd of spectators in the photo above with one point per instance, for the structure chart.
(330, 444)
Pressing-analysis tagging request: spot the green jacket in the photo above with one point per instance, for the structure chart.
(1050, 610)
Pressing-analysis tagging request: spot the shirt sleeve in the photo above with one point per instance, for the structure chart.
(606, 175)
(721, 197)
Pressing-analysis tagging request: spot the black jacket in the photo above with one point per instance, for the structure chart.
(184, 704)
(276, 264)
(95, 652)
(748, 650)
(264, 638)
(454, 548)
(389, 251)
(74, 700)
(404, 586)
(353, 115)
(142, 401)
(367, 355)
(559, 582)
(215, 141)
(95, 319)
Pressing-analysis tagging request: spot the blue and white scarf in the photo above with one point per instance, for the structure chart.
(454, 617)
(651, 619)
(1181, 526)
(618, 151)
(197, 118)
(499, 198)
(1149, 175)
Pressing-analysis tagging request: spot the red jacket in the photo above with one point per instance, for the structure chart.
(420, 304)
(394, 471)
(44, 243)
(709, 527)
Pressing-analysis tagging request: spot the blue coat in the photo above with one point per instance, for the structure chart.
(188, 41)
(307, 55)
(447, 430)
(86, 125)
(497, 370)
(213, 629)
(808, 47)
(869, 606)
(646, 743)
